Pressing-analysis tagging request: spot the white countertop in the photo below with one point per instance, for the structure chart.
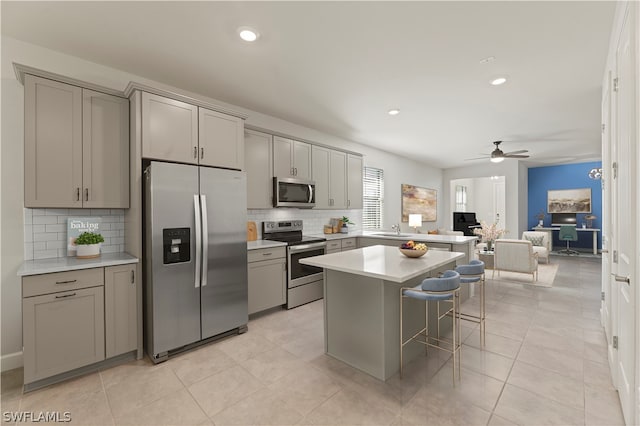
(62, 264)
(427, 238)
(261, 244)
(382, 262)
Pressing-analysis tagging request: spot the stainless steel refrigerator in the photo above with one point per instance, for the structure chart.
(195, 255)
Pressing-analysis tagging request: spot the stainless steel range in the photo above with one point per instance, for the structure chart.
(304, 283)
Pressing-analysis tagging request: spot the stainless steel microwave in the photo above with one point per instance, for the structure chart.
(294, 192)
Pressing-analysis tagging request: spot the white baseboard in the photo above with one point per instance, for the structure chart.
(11, 361)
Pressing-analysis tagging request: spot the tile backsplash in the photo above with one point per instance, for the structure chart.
(45, 231)
(314, 220)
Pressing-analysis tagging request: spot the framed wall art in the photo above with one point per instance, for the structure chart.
(417, 200)
(569, 200)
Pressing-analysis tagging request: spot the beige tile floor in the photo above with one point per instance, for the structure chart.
(544, 363)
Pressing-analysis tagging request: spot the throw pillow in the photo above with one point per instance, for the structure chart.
(535, 240)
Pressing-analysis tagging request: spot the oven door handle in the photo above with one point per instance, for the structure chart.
(307, 247)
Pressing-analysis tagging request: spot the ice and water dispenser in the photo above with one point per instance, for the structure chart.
(176, 245)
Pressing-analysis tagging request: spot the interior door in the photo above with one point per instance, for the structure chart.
(625, 213)
(607, 231)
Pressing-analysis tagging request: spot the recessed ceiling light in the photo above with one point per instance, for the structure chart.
(394, 111)
(248, 34)
(498, 81)
(487, 60)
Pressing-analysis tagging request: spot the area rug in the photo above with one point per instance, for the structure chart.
(546, 275)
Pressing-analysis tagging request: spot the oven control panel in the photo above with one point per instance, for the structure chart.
(281, 226)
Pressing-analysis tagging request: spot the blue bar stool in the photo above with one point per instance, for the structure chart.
(442, 289)
(470, 274)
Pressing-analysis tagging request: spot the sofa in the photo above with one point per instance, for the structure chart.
(515, 256)
(541, 243)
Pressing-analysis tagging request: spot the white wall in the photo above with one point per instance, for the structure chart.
(516, 190)
(397, 169)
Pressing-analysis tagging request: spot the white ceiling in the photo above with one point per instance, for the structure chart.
(340, 66)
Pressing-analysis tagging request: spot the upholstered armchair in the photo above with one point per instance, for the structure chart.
(541, 243)
(515, 256)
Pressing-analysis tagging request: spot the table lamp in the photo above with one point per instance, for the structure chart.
(415, 220)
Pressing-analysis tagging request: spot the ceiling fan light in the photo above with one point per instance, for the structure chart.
(497, 159)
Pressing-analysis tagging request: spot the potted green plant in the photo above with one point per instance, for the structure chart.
(88, 245)
(345, 223)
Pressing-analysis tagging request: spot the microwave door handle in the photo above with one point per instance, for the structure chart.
(196, 205)
(205, 239)
(310, 193)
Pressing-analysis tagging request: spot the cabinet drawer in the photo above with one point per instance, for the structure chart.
(348, 243)
(439, 246)
(36, 285)
(265, 254)
(333, 245)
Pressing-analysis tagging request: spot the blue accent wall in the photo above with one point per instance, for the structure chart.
(568, 176)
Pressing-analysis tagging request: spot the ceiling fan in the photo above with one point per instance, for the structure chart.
(497, 155)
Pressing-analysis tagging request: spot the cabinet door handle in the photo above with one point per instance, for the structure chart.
(292, 172)
(622, 279)
(267, 254)
(296, 170)
(65, 295)
(66, 282)
(86, 194)
(195, 152)
(133, 277)
(78, 194)
(201, 153)
(348, 203)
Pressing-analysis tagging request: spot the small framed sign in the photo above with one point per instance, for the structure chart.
(78, 225)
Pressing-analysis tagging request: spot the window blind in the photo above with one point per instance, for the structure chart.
(373, 198)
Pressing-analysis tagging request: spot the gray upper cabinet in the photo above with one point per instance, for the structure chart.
(258, 162)
(338, 179)
(120, 314)
(329, 173)
(221, 140)
(52, 143)
(291, 158)
(76, 146)
(105, 150)
(169, 129)
(354, 181)
(320, 158)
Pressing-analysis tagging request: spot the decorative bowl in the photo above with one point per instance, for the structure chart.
(412, 253)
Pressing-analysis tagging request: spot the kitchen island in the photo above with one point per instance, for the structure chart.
(362, 304)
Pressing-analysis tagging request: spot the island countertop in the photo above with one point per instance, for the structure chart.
(382, 262)
(387, 235)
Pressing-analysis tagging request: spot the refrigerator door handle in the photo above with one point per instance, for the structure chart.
(205, 239)
(196, 205)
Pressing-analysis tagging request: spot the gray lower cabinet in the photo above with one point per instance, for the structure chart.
(76, 318)
(267, 279)
(62, 331)
(120, 316)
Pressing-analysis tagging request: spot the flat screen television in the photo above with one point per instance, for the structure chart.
(558, 219)
(462, 221)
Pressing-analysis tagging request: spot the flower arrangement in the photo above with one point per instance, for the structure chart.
(489, 232)
(540, 215)
(590, 218)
